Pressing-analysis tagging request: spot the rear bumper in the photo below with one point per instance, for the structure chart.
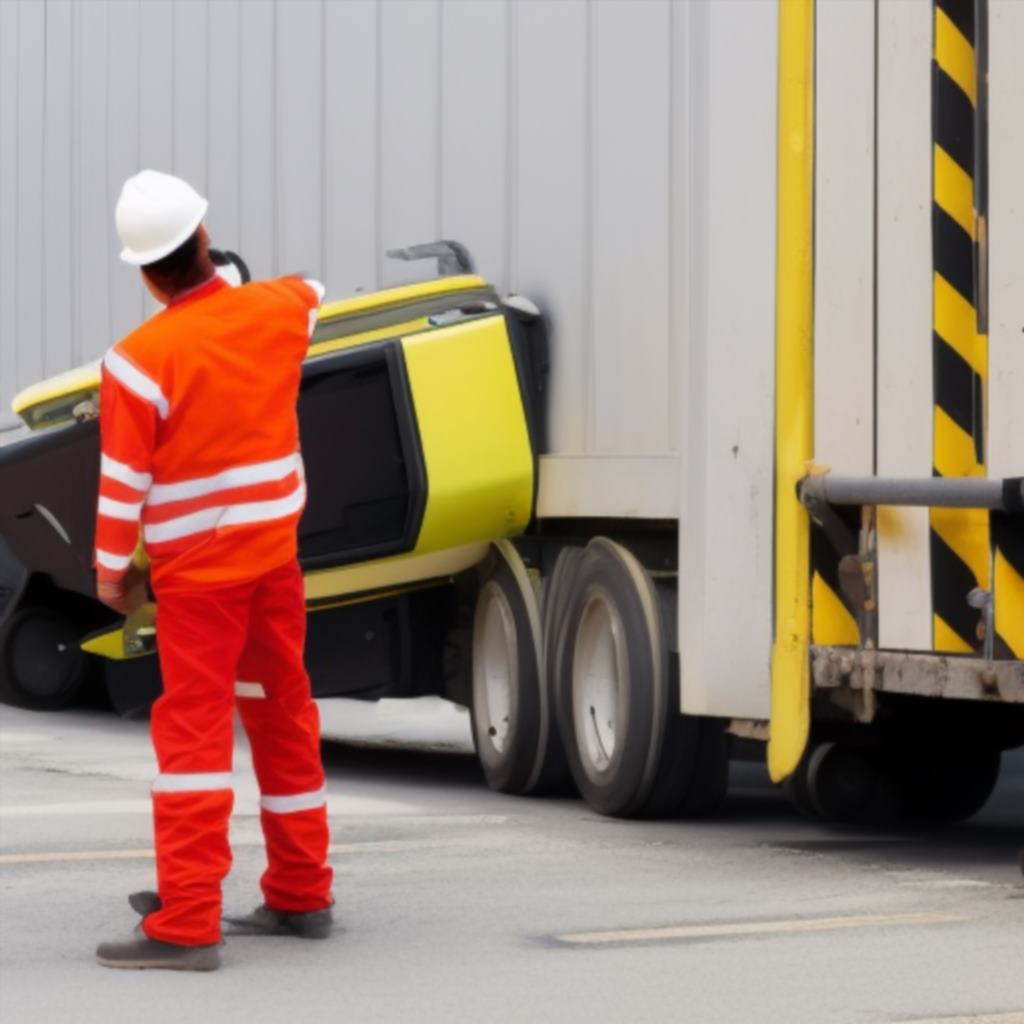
(918, 674)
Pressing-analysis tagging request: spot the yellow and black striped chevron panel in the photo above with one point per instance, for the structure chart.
(833, 613)
(960, 540)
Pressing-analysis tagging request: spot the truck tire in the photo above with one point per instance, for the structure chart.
(514, 733)
(630, 751)
(846, 784)
(943, 786)
(42, 666)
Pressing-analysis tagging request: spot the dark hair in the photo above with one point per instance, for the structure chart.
(181, 269)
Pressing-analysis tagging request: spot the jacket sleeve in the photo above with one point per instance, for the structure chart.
(311, 293)
(127, 437)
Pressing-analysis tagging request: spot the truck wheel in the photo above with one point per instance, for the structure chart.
(796, 790)
(630, 751)
(513, 729)
(845, 784)
(42, 666)
(946, 786)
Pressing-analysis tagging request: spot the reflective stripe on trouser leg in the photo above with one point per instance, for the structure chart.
(284, 731)
(201, 634)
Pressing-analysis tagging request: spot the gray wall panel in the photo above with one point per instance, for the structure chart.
(351, 146)
(475, 131)
(191, 82)
(92, 188)
(29, 271)
(123, 115)
(299, 104)
(156, 84)
(550, 183)
(410, 126)
(223, 103)
(629, 81)
(10, 345)
(257, 179)
(58, 239)
(327, 131)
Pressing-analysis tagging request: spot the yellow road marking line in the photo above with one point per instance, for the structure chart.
(1016, 1017)
(732, 928)
(69, 856)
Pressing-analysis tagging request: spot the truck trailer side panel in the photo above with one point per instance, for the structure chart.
(725, 528)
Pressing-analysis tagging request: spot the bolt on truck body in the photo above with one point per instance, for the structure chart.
(768, 492)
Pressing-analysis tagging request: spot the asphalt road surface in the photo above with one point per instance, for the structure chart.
(458, 904)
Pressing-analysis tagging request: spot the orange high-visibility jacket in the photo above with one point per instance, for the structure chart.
(199, 434)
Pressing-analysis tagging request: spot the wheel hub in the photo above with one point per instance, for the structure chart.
(598, 674)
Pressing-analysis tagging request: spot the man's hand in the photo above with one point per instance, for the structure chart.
(125, 594)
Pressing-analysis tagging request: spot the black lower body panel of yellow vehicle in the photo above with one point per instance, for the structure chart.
(392, 647)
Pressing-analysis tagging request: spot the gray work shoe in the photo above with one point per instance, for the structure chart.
(142, 952)
(264, 920)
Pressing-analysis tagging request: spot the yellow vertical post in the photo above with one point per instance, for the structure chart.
(794, 387)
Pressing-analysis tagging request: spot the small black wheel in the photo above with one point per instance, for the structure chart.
(513, 726)
(42, 666)
(631, 752)
(850, 785)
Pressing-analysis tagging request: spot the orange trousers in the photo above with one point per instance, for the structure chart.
(221, 647)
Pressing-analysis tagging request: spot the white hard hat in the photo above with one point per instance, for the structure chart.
(155, 214)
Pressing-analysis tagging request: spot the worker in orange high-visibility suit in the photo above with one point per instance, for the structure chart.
(200, 450)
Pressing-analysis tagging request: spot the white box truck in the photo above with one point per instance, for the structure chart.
(776, 485)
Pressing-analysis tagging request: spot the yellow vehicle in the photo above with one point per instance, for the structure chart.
(420, 419)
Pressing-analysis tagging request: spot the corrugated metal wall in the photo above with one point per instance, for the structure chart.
(539, 133)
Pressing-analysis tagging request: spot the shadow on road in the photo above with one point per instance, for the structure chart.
(410, 767)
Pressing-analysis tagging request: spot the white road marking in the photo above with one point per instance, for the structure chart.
(79, 807)
(733, 928)
(10, 738)
(922, 878)
(1017, 1017)
(370, 846)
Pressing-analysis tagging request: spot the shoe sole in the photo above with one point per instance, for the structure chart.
(156, 965)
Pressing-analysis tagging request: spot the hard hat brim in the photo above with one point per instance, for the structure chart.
(137, 258)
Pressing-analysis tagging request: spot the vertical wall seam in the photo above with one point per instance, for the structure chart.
(239, 83)
(44, 318)
(275, 202)
(174, 97)
(322, 272)
(874, 249)
(673, 367)
(74, 207)
(439, 125)
(511, 274)
(207, 126)
(378, 129)
(140, 289)
(588, 227)
(18, 42)
(108, 234)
